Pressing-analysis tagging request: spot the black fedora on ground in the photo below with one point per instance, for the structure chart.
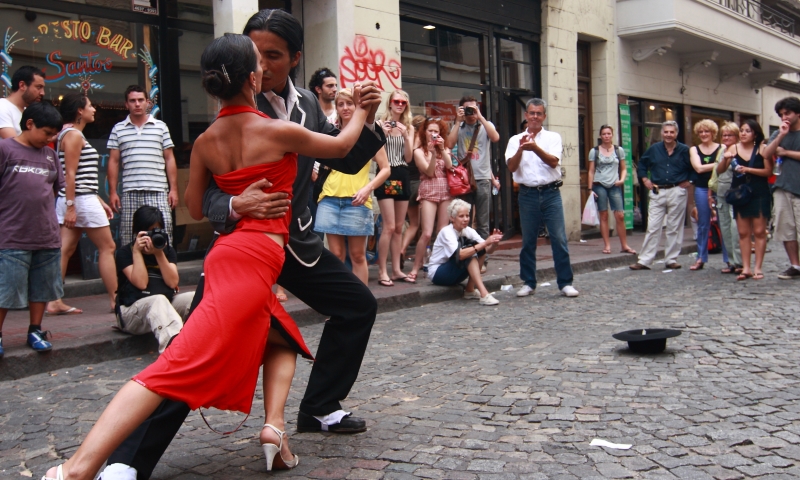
(647, 340)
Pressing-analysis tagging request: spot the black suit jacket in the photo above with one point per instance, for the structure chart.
(303, 244)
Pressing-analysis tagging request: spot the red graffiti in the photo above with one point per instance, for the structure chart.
(361, 63)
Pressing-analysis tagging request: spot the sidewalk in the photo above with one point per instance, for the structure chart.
(90, 338)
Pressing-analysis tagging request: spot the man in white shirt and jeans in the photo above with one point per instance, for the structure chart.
(27, 87)
(534, 158)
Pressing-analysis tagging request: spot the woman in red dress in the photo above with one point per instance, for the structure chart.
(214, 362)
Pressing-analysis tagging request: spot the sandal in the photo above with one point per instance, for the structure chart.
(69, 311)
(272, 451)
(386, 283)
(281, 297)
(729, 269)
(628, 250)
(607, 251)
(744, 276)
(697, 266)
(758, 276)
(59, 474)
(410, 278)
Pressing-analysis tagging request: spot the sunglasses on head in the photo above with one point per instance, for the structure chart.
(432, 119)
(400, 103)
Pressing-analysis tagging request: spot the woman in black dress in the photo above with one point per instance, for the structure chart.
(752, 218)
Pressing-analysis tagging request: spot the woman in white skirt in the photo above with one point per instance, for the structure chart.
(79, 209)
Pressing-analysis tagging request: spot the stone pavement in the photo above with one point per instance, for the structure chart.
(89, 337)
(458, 391)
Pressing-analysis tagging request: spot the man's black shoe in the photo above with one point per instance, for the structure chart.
(349, 424)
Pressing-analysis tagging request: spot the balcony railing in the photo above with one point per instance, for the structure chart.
(758, 12)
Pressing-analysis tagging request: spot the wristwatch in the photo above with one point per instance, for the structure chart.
(70, 203)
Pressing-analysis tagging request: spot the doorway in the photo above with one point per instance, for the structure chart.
(585, 130)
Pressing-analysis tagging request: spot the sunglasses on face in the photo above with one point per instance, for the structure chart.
(400, 103)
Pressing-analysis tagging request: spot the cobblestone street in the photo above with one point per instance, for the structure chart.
(455, 390)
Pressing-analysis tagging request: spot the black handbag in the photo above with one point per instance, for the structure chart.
(741, 195)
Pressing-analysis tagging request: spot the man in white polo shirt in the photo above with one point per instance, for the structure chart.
(149, 172)
(27, 87)
(534, 158)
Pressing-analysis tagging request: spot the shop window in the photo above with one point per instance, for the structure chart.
(194, 10)
(439, 53)
(516, 65)
(438, 101)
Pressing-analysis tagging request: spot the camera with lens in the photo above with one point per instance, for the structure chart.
(159, 238)
(469, 110)
(393, 124)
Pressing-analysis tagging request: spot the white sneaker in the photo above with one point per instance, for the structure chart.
(489, 300)
(118, 471)
(524, 291)
(473, 295)
(569, 291)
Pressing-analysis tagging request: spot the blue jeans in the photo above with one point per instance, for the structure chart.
(537, 207)
(703, 222)
(30, 276)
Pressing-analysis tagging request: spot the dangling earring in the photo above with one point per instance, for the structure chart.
(79, 121)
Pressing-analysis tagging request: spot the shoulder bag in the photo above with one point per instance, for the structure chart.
(463, 171)
(740, 195)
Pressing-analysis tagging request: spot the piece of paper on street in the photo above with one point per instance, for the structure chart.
(667, 270)
(545, 284)
(604, 443)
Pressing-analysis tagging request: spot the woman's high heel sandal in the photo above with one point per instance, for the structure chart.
(59, 474)
(271, 451)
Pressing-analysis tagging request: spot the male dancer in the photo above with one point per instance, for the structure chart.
(311, 273)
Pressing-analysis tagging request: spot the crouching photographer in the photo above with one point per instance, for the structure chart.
(459, 252)
(148, 278)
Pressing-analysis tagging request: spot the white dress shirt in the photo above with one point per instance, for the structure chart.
(532, 171)
(283, 109)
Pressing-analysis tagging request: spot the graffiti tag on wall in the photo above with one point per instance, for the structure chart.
(361, 63)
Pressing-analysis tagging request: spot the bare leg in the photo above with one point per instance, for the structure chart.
(400, 209)
(279, 365)
(744, 225)
(413, 228)
(102, 239)
(471, 284)
(69, 242)
(130, 407)
(621, 232)
(603, 214)
(336, 245)
(357, 247)
(428, 216)
(474, 269)
(384, 243)
(760, 232)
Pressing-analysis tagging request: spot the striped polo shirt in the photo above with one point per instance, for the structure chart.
(142, 154)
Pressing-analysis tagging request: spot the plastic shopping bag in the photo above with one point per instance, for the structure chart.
(590, 216)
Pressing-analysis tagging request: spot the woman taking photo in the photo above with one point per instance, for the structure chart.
(703, 158)
(241, 146)
(79, 209)
(394, 193)
(731, 254)
(344, 211)
(607, 172)
(458, 253)
(751, 168)
(433, 160)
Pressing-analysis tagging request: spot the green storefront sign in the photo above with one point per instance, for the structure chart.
(625, 133)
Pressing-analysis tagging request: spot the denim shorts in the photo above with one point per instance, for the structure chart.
(30, 276)
(451, 272)
(606, 195)
(338, 216)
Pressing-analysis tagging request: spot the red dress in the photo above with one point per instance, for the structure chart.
(214, 362)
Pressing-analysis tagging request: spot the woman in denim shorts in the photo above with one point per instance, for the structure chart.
(607, 171)
(345, 206)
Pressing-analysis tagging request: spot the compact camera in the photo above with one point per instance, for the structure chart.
(159, 238)
(392, 124)
(469, 111)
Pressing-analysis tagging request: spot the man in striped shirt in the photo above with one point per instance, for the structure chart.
(149, 172)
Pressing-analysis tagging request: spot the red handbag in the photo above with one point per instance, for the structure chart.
(458, 181)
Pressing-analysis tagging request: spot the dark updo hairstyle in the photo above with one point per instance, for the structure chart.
(70, 104)
(226, 65)
(281, 23)
(145, 216)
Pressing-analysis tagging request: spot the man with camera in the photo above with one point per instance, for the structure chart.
(148, 277)
(474, 138)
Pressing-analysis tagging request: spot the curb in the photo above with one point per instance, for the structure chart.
(115, 345)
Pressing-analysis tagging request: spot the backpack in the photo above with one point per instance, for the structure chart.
(714, 238)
